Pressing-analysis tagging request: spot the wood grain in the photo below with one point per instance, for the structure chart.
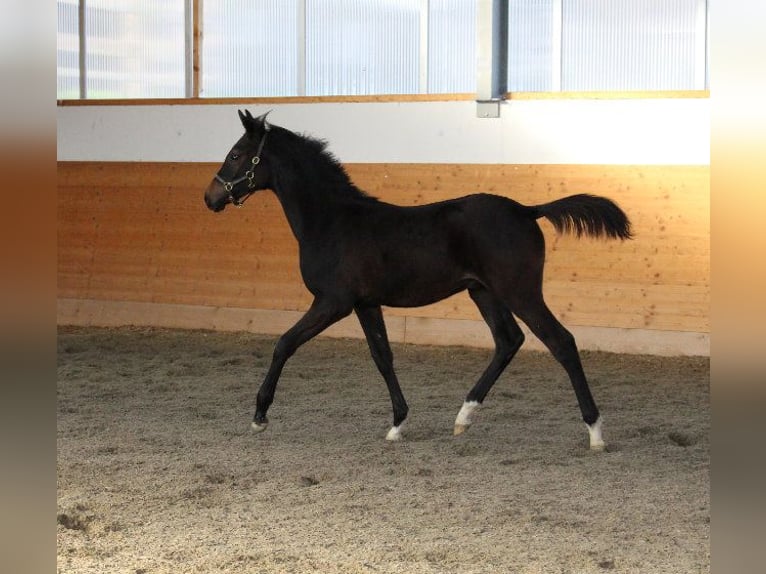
(140, 232)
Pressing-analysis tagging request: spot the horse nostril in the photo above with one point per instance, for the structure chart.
(213, 206)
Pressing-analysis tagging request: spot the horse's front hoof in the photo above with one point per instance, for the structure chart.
(259, 427)
(598, 447)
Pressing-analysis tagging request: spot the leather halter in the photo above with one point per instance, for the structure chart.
(228, 186)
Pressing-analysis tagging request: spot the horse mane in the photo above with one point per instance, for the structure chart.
(306, 157)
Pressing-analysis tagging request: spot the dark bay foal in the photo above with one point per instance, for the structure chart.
(358, 253)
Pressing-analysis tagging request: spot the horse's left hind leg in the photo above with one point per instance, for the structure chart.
(508, 339)
(371, 319)
(535, 313)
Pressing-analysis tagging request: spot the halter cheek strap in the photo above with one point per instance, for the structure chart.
(228, 186)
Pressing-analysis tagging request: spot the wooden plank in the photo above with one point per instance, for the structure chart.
(415, 330)
(594, 95)
(196, 101)
(135, 232)
(272, 100)
(92, 176)
(678, 308)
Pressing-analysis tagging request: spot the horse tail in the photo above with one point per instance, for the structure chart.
(585, 214)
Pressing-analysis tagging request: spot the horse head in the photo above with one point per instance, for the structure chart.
(245, 170)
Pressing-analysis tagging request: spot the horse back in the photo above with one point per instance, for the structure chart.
(415, 255)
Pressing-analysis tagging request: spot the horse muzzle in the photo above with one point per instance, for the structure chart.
(215, 197)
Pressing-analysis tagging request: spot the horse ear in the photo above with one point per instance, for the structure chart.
(249, 122)
(246, 119)
(262, 120)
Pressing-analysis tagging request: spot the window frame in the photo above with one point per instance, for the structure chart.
(193, 75)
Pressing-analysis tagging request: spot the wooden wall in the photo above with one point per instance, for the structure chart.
(140, 232)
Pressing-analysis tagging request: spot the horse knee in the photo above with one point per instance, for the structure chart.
(383, 359)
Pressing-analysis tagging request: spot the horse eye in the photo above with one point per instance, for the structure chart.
(234, 157)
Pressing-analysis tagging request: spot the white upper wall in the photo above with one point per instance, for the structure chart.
(558, 131)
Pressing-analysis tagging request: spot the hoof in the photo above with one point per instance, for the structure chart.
(460, 429)
(395, 434)
(594, 432)
(259, 427)
(463, 420)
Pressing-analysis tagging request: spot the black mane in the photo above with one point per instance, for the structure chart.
(302, 156)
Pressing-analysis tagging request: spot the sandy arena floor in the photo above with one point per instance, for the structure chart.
(158, 470)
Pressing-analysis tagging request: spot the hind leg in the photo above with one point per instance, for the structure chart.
(508, 339)
(535, 313)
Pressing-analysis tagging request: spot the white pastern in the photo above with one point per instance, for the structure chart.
(464, 416)
(596, 440)
(258, 428)
(394, 434)
(463, 420)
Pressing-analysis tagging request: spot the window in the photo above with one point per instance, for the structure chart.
(530, 45)
(132, 48)
(338, 47)
(621, 45)
(628, 45)
(68, 50)
(250, 48)
(452, 46)
(139, 49)
(273, 48)
(362, 47)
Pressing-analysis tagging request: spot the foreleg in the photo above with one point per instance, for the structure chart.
(320, 315)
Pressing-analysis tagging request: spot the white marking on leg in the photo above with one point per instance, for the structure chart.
(463, 420)
(258, 428)
(464, 416)
(395, 433)
(596, 440)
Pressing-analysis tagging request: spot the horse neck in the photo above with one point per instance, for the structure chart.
(301, 213)
(308, 198)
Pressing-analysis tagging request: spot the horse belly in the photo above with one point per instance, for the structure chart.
(415, 286)
(411, 262)
(420, 295)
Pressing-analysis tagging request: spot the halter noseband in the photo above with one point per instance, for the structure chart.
(228, 186)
